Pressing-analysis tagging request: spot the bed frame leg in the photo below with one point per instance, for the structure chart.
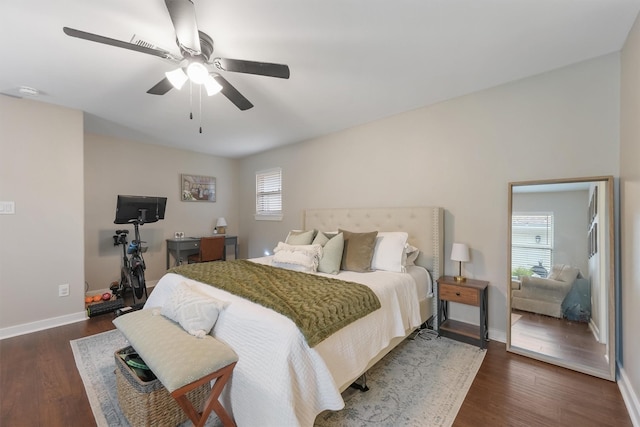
(362, 387)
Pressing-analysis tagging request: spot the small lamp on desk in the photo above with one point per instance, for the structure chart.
(460, 253)
(221, 225)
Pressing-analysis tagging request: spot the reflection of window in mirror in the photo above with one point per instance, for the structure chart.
(531, 244)
(565, 222)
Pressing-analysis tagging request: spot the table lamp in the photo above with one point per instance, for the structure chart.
(460, 253)
(221, 225)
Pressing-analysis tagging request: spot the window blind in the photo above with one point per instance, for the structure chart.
(532, 242)
(269, 192)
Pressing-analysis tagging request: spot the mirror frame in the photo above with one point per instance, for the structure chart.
(611, 277)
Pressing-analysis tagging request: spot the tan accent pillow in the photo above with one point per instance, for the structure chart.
(564, 273)
(568, 274)
(358, 250)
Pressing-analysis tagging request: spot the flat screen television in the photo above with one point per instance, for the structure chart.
(140, 209)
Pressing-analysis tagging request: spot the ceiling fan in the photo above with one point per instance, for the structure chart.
(196, 48)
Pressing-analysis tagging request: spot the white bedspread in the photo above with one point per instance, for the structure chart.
(280, 381)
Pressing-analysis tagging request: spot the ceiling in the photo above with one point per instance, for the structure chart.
(351, 61)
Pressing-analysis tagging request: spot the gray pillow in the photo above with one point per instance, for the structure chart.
(300, 237)
(358, 250)
(332, 245)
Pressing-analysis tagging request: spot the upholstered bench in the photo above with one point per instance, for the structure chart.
(182, 362)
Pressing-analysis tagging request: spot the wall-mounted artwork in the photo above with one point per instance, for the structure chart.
(593, 206)
(198, 188)
(593, 240)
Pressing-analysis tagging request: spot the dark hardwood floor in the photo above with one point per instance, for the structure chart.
(40, 386)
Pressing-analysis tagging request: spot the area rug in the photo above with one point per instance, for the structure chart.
(422, 382)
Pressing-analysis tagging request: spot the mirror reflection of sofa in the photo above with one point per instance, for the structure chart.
(565, 293)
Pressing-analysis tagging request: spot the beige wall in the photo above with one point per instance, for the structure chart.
(460, 155)
(115, 166)
(42, 243)
(630, 214)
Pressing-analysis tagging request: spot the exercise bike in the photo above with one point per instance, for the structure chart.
(133, 266)
(136, 210)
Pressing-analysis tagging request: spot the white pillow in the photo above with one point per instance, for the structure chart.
(410, 255)
(196, 312)
(388, 253)
(297, 257)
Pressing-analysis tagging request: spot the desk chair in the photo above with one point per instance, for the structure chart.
(211, 249)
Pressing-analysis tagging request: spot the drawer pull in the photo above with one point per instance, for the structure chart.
(457, 294)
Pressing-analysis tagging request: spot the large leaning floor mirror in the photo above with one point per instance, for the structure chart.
(561, 301)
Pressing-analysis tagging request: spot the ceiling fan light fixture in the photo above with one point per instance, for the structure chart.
(177, 78)
(212, 86)
(197, 72)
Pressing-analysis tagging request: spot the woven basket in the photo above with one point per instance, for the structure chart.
(149, 403)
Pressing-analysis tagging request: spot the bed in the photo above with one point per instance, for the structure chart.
(281, 381)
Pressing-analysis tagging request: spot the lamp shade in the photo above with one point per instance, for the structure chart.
(221, 222)
(197, 72)
(177, 78)
(460, 252)
(212, 86)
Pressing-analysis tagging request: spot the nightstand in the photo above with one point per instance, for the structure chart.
(470, 292)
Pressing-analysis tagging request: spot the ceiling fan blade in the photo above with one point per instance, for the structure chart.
(162, 87)
(183, 16)
(117, 43)
(252, 67)
(232, 93)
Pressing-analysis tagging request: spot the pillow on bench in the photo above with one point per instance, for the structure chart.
(196, 312)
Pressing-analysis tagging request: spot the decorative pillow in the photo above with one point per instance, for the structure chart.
(555, 271)
(300, 237)
(410, 255)
(193, 310)
(568, 274)
(358, 250)
(564, 273)
(389, 251)
(297, 257)
(332, 247)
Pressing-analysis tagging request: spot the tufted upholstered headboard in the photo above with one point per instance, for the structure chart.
(425, 226)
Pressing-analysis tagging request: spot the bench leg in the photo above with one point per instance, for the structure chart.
(211, 404)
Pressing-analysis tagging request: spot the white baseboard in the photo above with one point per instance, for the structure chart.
(497, 335)
(27, 328)
(630, 398)
(40, 325)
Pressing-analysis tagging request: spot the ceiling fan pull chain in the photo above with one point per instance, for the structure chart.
(200, 91)
(190, 100)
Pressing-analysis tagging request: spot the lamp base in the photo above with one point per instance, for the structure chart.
(221, 230)
(460, 278)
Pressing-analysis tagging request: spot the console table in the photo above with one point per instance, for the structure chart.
(181, 248)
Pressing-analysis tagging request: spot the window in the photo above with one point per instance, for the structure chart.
(269, 194)
(531, 244)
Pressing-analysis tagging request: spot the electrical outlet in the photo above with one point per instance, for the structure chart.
(7, 208)
(63, 290)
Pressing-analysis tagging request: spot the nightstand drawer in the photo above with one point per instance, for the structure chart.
(459, 294)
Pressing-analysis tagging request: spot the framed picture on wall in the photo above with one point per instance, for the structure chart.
(198, 188)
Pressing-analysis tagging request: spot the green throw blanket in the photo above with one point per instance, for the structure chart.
(318, 305)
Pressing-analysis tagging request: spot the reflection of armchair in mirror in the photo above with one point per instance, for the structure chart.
(561, 298)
